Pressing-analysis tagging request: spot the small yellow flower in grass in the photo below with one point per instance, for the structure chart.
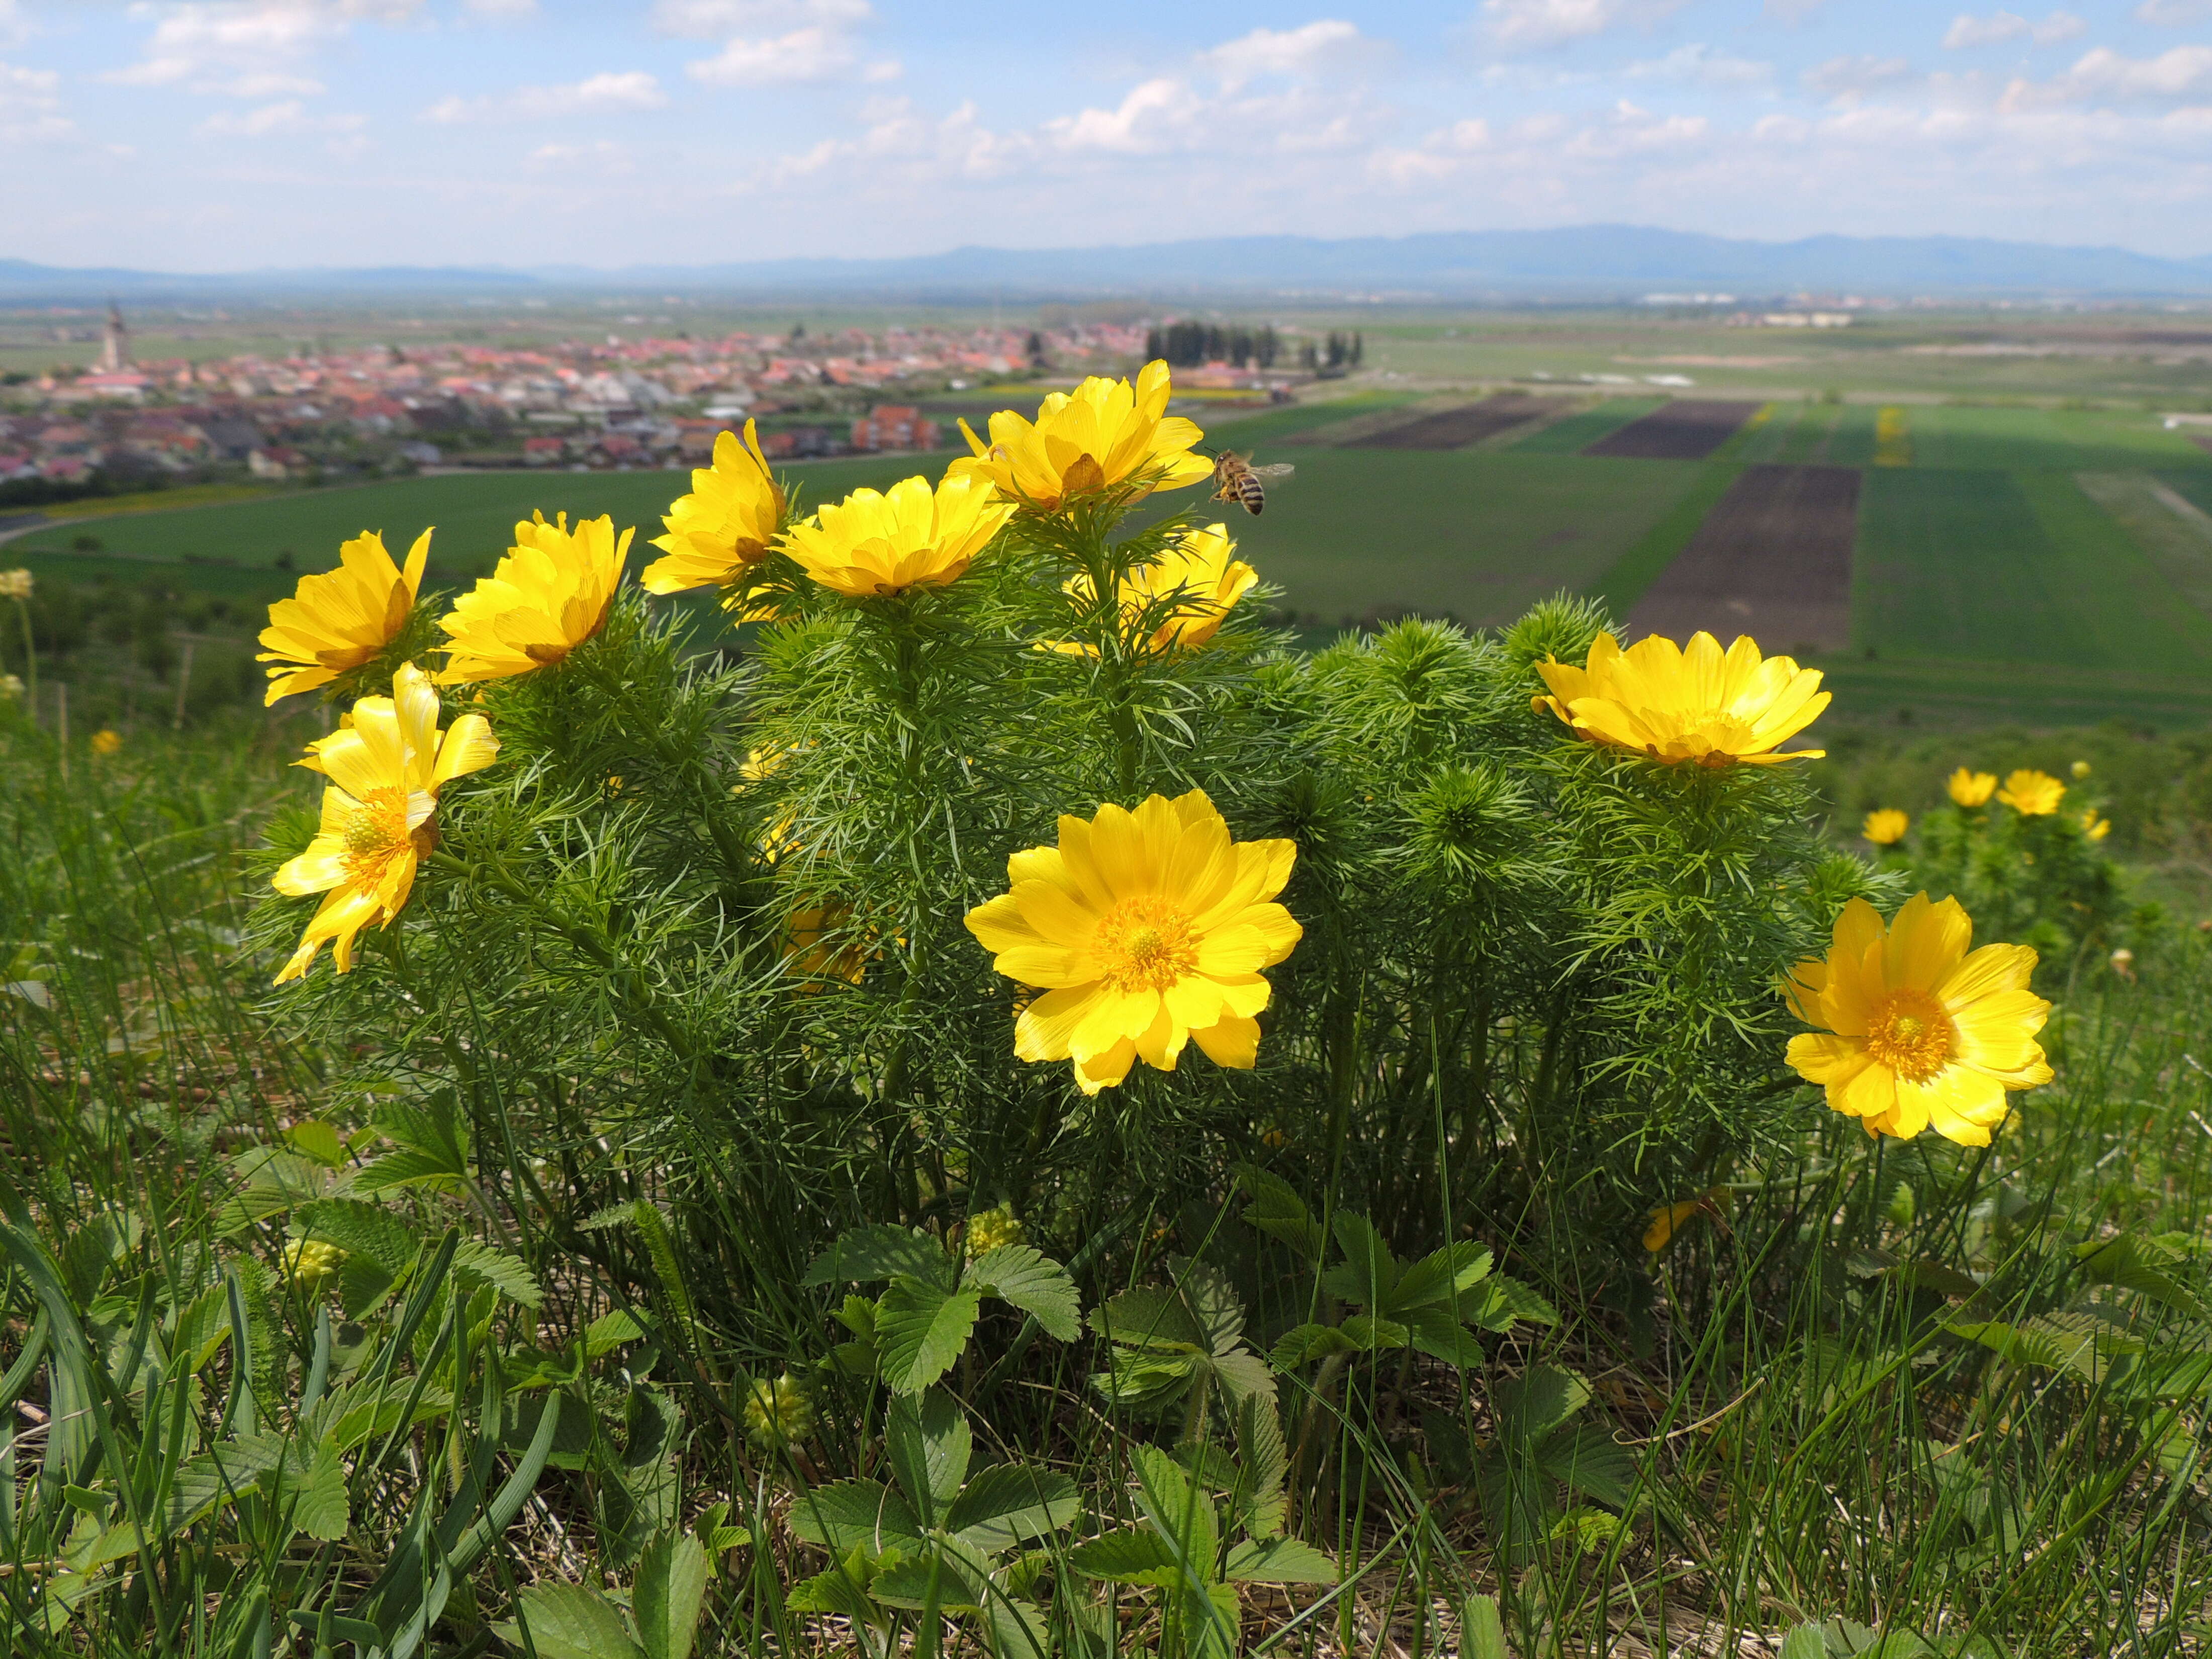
(107, 741)
(342, 618)
(15, 584)
(1667, 1220)
(2081, 769)
(11, 687)
(778, 1414)
(549, 595)
(2095, 828)
(309, 1262)
(2032, 794)
(1688, 703)
(1144, 930)
(1917, 1031)
(1105, 434)
(1200, 574)
(386, 769)
(988, 1231)
(873, 545)
(1971, 788)
(1886, 828)
(719, 534)
(2123, 962)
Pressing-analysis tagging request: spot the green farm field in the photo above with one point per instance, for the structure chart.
(2050, 550)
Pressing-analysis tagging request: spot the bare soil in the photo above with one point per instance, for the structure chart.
(1773, 559)
(1687, 429)
(1456, 428)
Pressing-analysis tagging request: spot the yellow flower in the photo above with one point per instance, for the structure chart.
(720, 533)
(386, 769)
(1917, 1031)
(1885, 828)
(988, 1230)
(1104, 434)
(2095, 828)
(1669, 1220)
(1197, 580)
(308, 1263)
(11, 687)
(1972, 789)
(342, 618)
(2032, 794)
(107, 741)
(1693, 704)
(1144, 930)
(811, 949)
(15, 584)
(872, 544)
(2081, 769)
(549, 595)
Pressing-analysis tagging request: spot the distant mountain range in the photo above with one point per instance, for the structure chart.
(1586, 263)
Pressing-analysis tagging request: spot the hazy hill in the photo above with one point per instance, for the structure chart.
(1589, 262)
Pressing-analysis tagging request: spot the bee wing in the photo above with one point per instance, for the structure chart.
(1279, 470)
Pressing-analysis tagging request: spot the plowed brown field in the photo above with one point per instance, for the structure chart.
(1773, 559)
(1687, 429)
(1456, 428)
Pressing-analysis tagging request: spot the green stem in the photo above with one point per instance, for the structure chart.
(30, 659)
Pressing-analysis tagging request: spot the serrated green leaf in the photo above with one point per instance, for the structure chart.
(879, 1250)
(669, 1591)
(1482, 1632)
(851, 1514)
(841, 1590)
(1279, 1212)
(476, 1261)
(407, 1167)
(1370, 1334)
(921, 1330)
(1130, 1556)
(1278, 1561)
(948, 1572)
(1148, 1316)
(1437, 1333)
(1010, 1503)
(1805, 1642)
(1441, 1277)
(1529, 1406)
(567, 1621)
(1179, 1511)
(1304, 1343)
(320, 1507)
(1589, 1459)
(1019, 1629)
(1369, 1272)
(928, 1440)
(608, 1332)
(1020, 1274)
(319, 1140)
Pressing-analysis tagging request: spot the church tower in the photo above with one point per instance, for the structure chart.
(114, 341)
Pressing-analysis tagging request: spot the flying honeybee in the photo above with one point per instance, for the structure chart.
(1235, 479)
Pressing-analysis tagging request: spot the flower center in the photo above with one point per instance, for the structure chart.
(1146, 943)
(1911, 1035)
(377, 833)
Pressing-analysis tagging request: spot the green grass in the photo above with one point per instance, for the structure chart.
(1478, 534)
(1986, 439)
(2013, 567)
(1578, 432)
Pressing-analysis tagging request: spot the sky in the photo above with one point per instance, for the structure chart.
(227, 135)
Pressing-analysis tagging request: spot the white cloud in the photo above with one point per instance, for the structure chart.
(1849, 80)
(704, 20)
(502, 11)
(285, 120)
(2104, 77)
(609, 93)
(1550, 23)
(14, 24)
(2174, 13)
(1148, 120)
(1299, 51)
(812, 53)
(245, 41)
(1703, 66)
(2001, 25)
(30, 106)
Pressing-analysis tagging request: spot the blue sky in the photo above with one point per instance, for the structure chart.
(231, 134)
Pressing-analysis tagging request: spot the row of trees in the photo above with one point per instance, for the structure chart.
(1186, 344)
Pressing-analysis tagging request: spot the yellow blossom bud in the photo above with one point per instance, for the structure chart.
(309, 1262)
(988, 1230)
(778, 1414)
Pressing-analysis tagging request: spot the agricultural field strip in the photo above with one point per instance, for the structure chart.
(1773, 559)
(2172, 531)
(1686, 429)
(1461, 427)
